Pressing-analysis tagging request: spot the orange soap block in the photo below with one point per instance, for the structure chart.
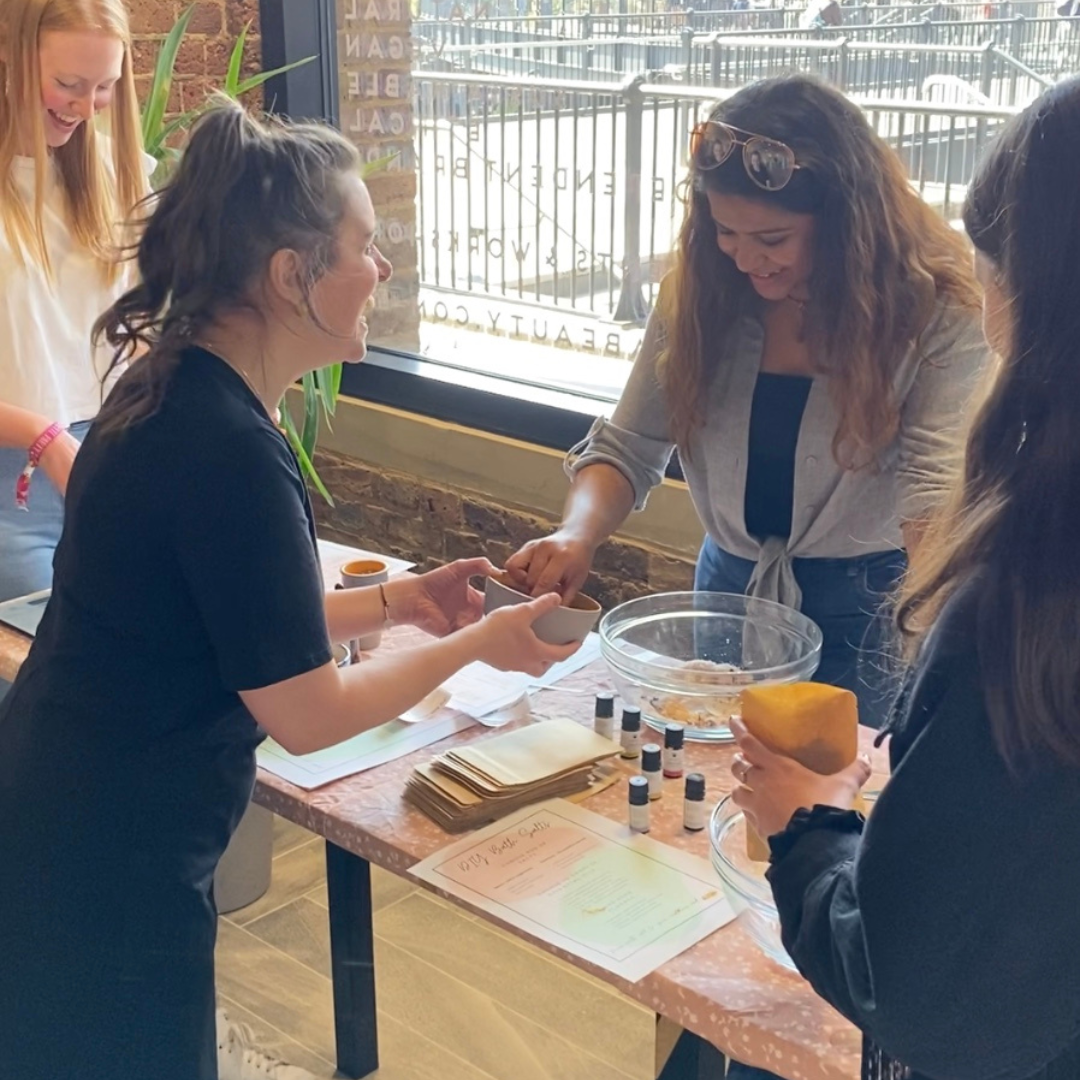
(815, 724)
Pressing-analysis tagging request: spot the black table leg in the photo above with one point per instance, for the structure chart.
(694, 1059)
(352, 961)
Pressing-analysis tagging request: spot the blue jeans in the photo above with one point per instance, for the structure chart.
(28, 538)
(849, 600)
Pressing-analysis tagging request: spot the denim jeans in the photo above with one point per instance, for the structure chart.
(28, 538)
(849, 601)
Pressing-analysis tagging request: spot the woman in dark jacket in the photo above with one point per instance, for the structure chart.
(948, 926)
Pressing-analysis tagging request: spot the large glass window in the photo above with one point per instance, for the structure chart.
(534, 151)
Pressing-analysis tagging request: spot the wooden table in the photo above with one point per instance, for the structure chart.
(724, 992)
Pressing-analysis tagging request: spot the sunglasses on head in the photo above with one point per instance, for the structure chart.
(768, 163)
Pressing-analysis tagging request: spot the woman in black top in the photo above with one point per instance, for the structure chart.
(188, 616)
(948, 927)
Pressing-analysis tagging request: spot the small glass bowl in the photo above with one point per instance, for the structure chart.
(685, 657)
(744, 882)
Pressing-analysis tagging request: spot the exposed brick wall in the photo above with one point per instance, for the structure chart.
(374, 73)
(375, 60)
(406, 516)
(204, 56)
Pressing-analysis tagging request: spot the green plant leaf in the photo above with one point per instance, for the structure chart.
(236, 61)
(306, 465)
(327, 384)
(310, 433)
(369, 168)
(178, 123)
(258, 79)
(157, 100)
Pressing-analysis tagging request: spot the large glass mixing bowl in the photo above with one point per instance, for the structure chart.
(685, 657)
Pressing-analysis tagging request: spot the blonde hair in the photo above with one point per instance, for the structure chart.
(96, 197)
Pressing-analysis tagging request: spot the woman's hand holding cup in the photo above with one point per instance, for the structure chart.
(506, 639)
(442, 600)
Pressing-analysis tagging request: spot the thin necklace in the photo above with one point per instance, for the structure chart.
(244, 376)
(211, 347)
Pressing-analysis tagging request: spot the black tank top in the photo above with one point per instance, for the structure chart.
(775, 418)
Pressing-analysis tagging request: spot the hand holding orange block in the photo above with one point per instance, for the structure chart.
(815, 724)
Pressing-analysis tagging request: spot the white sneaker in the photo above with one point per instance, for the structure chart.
(239, 1058)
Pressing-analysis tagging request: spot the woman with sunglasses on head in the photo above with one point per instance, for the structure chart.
(811, 355)
(188, 616)
(64, 185)
(947, 926)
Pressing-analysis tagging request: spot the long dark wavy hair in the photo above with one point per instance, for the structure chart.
(1015, 515)
(245, 188)
(882, 262)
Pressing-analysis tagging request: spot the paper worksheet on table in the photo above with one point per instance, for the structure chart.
(476, 691)
(584, 884)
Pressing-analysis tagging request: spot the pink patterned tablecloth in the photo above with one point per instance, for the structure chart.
(723, 989)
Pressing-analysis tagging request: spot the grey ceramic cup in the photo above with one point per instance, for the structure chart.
(356, 574)
(569, 623)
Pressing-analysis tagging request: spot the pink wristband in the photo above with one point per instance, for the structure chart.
(37, 448)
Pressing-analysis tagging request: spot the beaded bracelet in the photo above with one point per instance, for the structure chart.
(37, 448)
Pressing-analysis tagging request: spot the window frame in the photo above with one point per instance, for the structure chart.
(502, 405)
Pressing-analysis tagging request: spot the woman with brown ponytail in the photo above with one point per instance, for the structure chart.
(188, 618)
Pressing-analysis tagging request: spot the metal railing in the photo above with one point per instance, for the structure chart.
(858, 67)
(564, 195)
(1045, 45)
(469, 29)
(863, 68)
(1017, 32)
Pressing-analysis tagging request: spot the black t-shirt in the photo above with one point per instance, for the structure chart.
(187, 571)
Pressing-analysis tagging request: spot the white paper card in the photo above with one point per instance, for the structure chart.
(586, 885)
(381, 744)
(478, 689)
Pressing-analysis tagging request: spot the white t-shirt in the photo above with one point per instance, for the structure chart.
(47, 363)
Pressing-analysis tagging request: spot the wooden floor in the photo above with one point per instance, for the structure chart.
(458, 999)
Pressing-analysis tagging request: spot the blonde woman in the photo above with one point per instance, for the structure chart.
(71, 167)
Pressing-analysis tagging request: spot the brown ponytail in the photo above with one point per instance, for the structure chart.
(245, 188)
